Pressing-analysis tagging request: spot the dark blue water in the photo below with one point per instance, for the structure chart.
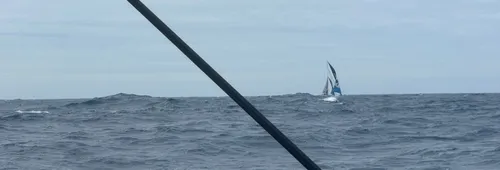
(123, 131)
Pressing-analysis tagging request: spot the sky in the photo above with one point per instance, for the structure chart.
(92, 48)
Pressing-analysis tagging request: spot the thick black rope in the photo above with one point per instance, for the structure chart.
(224, 85)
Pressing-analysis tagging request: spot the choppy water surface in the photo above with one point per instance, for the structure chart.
(124, 131)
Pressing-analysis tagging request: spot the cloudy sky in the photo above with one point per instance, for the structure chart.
(68, 49)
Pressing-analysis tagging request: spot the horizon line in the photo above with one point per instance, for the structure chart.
(211, 96)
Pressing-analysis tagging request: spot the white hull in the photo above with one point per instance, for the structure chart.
(331, 99)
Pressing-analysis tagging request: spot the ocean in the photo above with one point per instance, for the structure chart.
(358, 132)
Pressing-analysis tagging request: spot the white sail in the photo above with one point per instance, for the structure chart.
(335, 86)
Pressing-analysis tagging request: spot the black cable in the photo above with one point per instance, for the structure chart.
(225, 86)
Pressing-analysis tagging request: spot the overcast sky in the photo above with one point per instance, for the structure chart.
(68, 49)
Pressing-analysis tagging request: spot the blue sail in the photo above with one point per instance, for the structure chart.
(336, 86)
(336, 89)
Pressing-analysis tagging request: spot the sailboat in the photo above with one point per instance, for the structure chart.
(335, 87)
